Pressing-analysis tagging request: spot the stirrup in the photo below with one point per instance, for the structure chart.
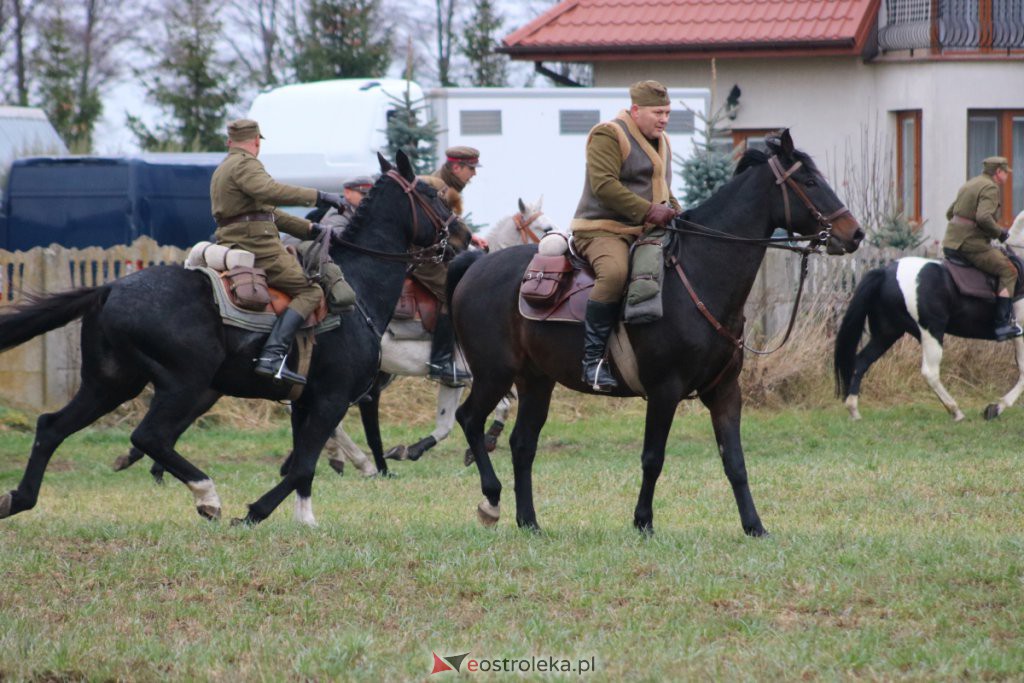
(282, 374)
(597, 385)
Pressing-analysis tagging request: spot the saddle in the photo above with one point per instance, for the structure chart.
(418, 305)
(976, 283)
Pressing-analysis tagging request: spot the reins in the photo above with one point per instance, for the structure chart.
(523, 226)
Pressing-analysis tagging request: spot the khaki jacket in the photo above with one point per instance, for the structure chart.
(978, 200)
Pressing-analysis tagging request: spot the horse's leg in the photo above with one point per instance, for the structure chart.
(341, 448)
(931, 362)
(369, 415)
(444, 420)
(994, 410)
(484, 395)
(725, 403)
(123, 462)
(170, 414)
(533, 413)
(872, 351)
(92, 401)
(660, 413)
(500, 418)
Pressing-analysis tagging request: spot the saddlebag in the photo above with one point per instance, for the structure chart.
(545, 278)
(248, 287)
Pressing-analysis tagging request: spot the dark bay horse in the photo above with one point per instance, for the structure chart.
(720, 246)
(161, 326)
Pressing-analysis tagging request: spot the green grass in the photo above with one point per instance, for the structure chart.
(896, 553)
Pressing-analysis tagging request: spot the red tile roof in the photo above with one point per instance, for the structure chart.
(609, 29)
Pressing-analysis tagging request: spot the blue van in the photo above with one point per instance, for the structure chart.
(80, 201)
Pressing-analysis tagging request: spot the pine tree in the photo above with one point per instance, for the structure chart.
(191, 84)
(486, 66)
(342, 39)
(711, 165)
(406, 132)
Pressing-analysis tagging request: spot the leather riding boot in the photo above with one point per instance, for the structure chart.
(442, 355)
(1006, 327)
(601, 319)
(271, 362)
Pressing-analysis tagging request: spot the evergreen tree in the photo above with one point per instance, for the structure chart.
(711, 165)
(406, 132)
(191, 84)
(342, 39)
(486, 66)
(56, 75)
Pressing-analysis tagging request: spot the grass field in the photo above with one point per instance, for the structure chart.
(897, 552)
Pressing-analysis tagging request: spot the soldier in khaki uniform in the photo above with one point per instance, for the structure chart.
(244, 198)
(626, 193)
(972, 227)
(458, 169)
(352, 192)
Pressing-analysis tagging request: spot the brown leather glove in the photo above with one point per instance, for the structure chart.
(659, 214)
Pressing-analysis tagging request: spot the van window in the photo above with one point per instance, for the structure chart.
(577, 121)
(482, 122)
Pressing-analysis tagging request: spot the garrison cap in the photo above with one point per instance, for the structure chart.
(241, 130)
(648, 94)
(362, 184)
(993, 164)
(463, 155)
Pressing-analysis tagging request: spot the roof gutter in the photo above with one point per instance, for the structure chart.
(704, 49)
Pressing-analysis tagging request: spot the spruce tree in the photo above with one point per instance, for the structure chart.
(411, 129)
(342, 39)
(710, 167)
(487, 67)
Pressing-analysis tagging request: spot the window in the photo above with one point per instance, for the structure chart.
(998, 133)
(484, 122)
(908, 163)
(750, 138)
(577, 121)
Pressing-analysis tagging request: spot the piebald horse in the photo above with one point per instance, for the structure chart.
(916, 296)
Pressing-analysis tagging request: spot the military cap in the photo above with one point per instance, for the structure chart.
(463, 155)
(648, 94)
(993, 164)
(241, 130)
(362, 184)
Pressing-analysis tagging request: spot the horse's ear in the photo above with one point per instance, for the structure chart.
(786, 142)
(385, 165)
(405, 166)
(540, 203)
(522, 207)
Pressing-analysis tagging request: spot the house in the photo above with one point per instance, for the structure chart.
(908, 95)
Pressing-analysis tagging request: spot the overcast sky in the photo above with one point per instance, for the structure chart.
(113, 137)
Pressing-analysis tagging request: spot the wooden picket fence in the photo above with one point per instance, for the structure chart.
(44, 373)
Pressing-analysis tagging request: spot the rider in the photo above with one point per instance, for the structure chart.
(626, 193)
(243, 198)
(353, 192)
(972, 226)
(458, 169)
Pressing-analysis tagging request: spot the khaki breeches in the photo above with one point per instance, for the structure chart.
(283, 270)
(609, 257)
(993, 262)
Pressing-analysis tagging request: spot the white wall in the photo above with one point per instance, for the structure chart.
(827, 102)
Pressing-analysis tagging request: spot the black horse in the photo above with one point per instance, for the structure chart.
(915, 296)
(161, 326)
(720, 246)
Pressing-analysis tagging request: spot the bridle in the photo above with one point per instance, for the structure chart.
(435, 253)
(523, 226)
(784, 179)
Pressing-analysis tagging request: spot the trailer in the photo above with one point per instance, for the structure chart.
(531, 140)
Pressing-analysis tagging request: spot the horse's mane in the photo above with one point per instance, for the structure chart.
(755, 157)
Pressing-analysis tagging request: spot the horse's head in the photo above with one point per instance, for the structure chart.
(433, 222)
(807, 204)
(532, 218)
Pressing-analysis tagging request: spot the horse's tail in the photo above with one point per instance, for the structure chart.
(458, 267)
(852, 328)
(40, 313)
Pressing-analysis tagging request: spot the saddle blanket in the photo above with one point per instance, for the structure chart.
(978, 284)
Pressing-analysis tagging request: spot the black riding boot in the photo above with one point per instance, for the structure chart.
(442, 355)
(271, 362)
(1006, 327)
(601, 319)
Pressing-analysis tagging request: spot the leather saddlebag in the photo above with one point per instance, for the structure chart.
(545, 277)
(248, 287)
(406, 308)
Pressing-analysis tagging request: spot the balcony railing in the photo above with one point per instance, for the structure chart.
(954, 25)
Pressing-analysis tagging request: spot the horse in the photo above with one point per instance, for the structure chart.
(917, 296)
(694, 350)
(408, 358)
(160, 326)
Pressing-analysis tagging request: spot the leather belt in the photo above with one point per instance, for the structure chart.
(245, 218)
(960, 220)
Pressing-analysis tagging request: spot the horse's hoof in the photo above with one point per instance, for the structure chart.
(383, 474)
(958, 416)
(6, 501)
(158, 479)
(468, 459)
(242, 521)
(397, 453)
(532, 527)
(123, 462)
(488, 514)
(338, 466)
(991, 411)
(759, 532)
(208, 512)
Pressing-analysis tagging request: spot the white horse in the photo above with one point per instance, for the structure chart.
(409, 358)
